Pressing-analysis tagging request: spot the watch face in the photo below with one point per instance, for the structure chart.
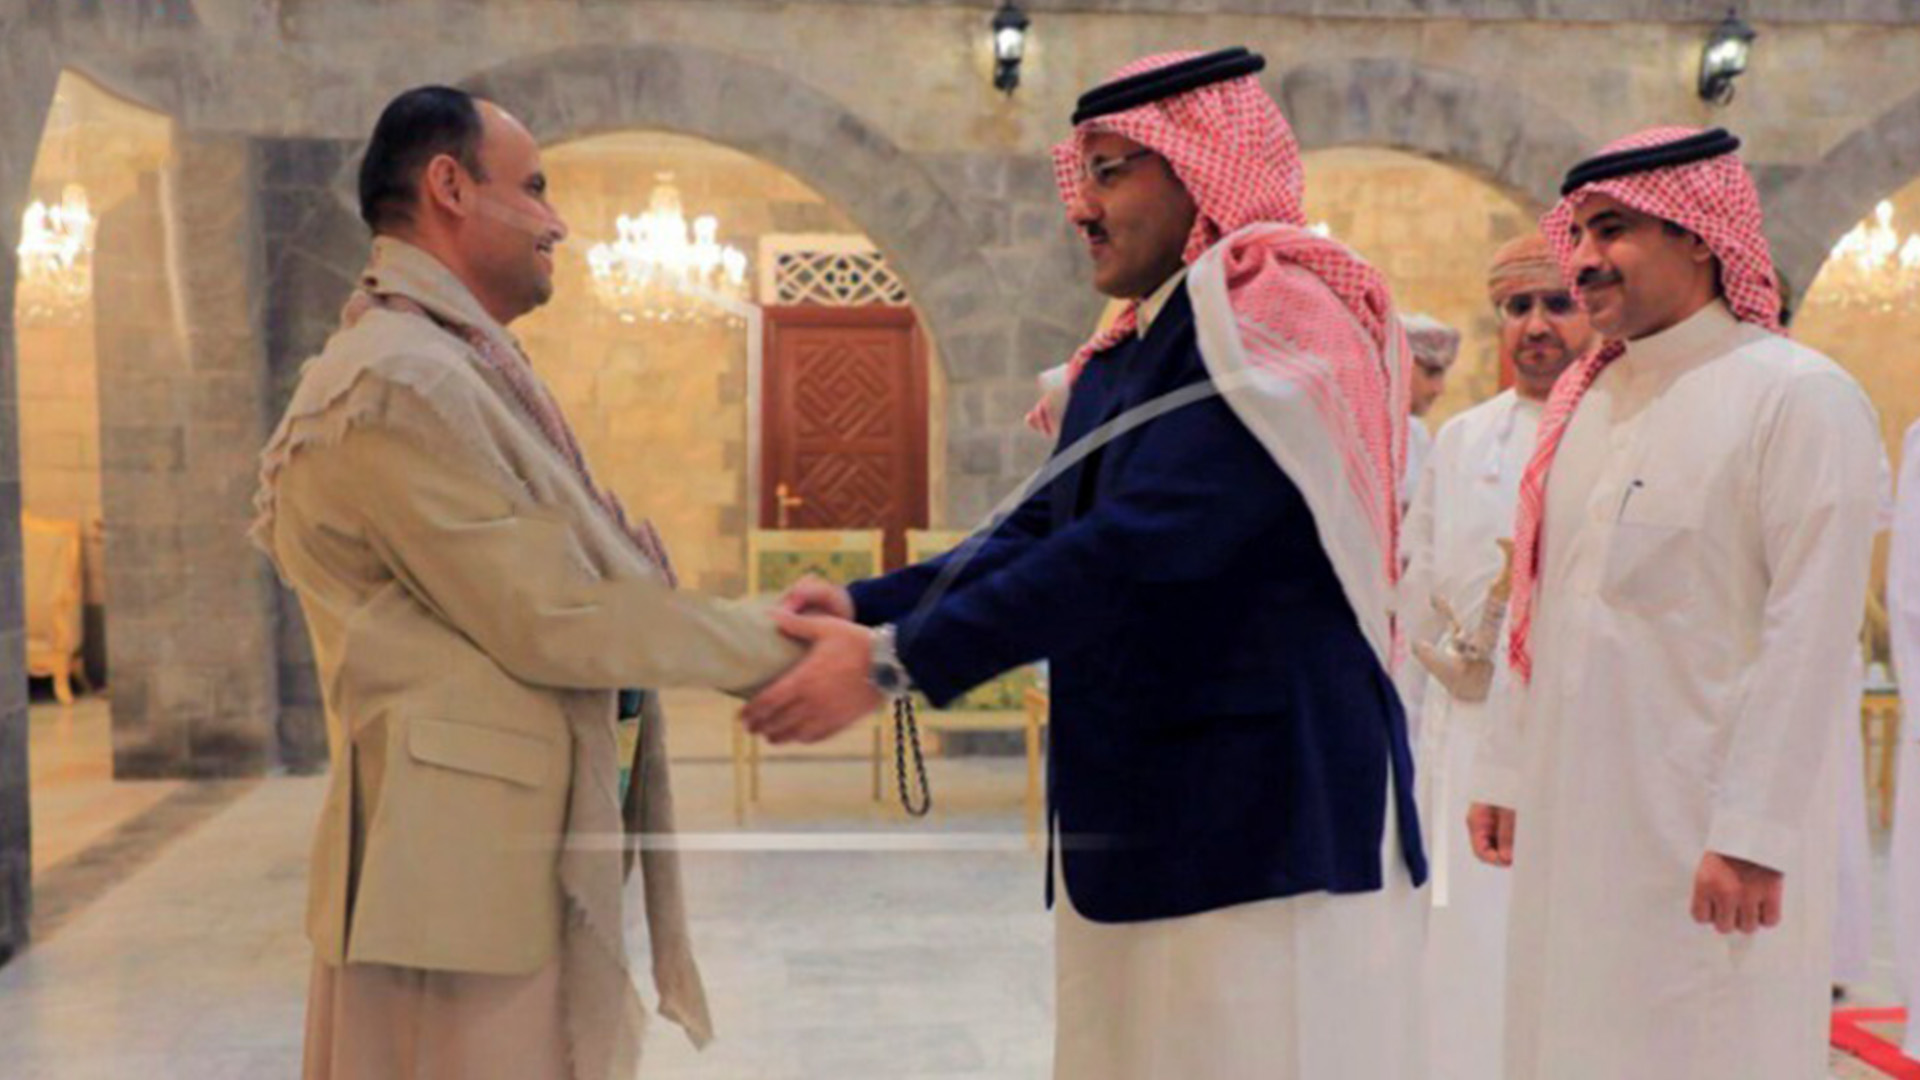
(887, 678)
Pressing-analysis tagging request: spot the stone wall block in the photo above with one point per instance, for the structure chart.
(155, 449)
(977, 455)
(979, 354)
(1039, 346)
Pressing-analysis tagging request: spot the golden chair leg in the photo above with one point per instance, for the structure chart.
(62, 685)
(753, 769)
(1889, 757)
(739, 773)
(878, 719)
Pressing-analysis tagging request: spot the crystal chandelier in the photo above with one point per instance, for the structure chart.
(1874, 266)
(659, 269)
(56, 260)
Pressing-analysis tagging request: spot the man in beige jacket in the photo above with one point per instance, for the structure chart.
(475, 602)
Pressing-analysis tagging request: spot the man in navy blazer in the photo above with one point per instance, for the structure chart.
(1230, 787)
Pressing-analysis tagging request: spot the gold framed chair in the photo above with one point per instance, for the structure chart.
(1011, 702)
(1880, 737)
(50, 566)
(776, 558)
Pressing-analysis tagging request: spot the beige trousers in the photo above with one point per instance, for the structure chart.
(378, 1022)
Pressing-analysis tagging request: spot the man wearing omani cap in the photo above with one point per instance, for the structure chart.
(1692, 543)
(1462, 510)
(1208, 564)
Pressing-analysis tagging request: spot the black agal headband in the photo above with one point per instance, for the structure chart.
(1161, 83)
(1707, 144)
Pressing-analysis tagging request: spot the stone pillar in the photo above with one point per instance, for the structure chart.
(183, 415)
(315, 249)
(28, 69)
(998, 331)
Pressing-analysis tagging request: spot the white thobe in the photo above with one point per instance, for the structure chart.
(1853, 906)
(1706, 548)
(1462, 506)
(1419, 445)
(1853, 900)
(1310, 987)
(1903, 610)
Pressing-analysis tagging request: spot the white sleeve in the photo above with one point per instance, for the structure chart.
(1414, 595)
(1818, 495)
(1496, 764)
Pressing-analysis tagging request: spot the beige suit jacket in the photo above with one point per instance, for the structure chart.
(466, 608)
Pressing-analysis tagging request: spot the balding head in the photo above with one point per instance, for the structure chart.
(416, 127)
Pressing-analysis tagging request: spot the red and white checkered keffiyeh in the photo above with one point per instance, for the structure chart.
(1716, 200)
(1315, 323)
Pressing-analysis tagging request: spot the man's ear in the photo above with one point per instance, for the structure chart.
(1699, 252)
(445, 184)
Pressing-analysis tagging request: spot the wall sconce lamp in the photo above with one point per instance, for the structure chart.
(1725, 58)
(1009, 45)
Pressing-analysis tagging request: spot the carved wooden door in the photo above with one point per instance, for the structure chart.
(844, 435)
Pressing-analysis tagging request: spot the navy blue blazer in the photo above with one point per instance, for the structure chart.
(1221, 730)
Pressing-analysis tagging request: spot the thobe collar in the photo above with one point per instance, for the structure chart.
(1513, 407)
(1151, 307)
(1526, 406)
(399, 268)
(1692, 341)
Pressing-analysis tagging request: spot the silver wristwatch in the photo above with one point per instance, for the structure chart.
(884, 669)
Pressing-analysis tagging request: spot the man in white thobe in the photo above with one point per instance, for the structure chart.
(1462, 507)
(1692, 543)
(1434, 347)
(1903, 611)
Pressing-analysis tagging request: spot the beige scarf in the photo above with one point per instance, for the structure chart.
(504, 357)
(527, 443)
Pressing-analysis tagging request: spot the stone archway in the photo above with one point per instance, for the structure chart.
(1809, 213)
(1504, 136)
(769, 114)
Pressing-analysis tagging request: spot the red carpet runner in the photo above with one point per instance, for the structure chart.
(1850, 1033)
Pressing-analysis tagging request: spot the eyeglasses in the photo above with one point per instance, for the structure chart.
(1555, 305)
(1104, 172)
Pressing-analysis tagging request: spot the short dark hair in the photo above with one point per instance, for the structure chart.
(413, 129)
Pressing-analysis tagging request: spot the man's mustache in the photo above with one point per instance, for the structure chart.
(1594, 279)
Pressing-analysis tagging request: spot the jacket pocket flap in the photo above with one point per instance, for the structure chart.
(503, 755)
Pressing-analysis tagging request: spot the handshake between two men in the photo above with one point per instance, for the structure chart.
(833, 685)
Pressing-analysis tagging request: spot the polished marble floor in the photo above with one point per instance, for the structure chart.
(839, 940)
(76, 802)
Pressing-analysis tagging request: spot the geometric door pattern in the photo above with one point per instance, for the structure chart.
(845, 421)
